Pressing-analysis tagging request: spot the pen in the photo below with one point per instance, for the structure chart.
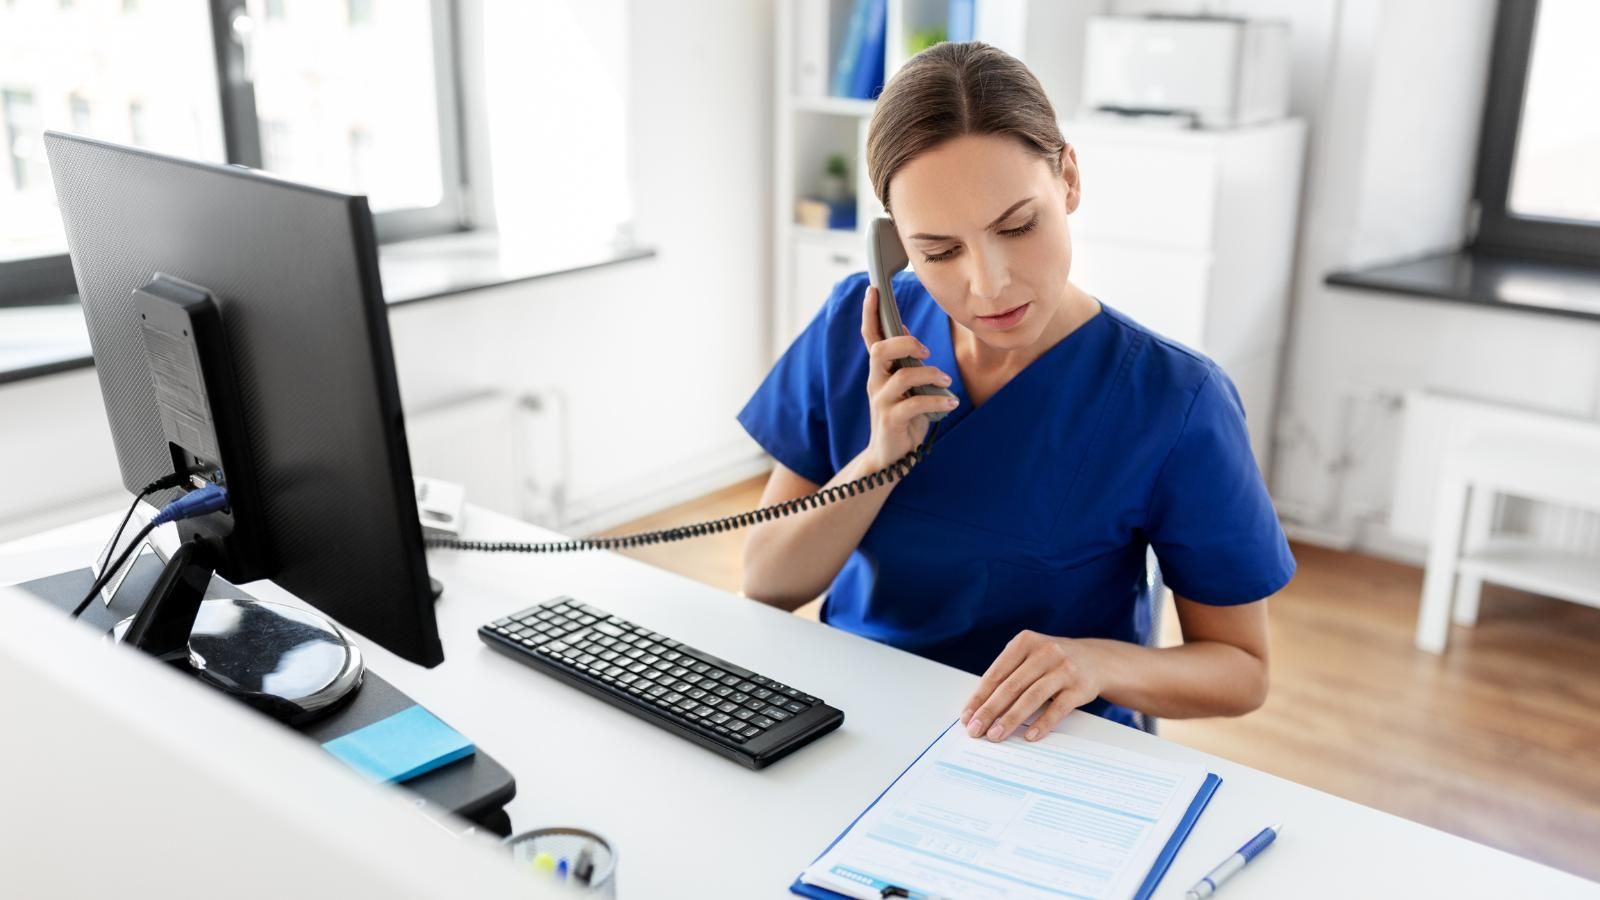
(1208, 885)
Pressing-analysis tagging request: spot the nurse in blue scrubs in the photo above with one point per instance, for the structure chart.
(1078, 439)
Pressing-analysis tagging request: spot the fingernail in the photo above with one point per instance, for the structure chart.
(1033, 734)
(996, 733)
(944, 379)
(975, 728)
(966, 716)
(951, 403)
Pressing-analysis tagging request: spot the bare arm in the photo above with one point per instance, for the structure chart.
(1219, 670)
(789, 561)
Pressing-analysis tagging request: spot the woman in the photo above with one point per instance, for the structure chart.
(1077, 440)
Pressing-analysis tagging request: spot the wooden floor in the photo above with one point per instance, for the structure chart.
(1497, 740)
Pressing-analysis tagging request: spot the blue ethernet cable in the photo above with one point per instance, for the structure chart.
(206, 500)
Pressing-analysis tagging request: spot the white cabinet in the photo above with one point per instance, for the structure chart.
(820, 262)
(1192, 233)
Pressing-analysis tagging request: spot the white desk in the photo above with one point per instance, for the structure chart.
(674, 811)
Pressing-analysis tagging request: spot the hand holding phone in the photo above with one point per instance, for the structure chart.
(906, 396)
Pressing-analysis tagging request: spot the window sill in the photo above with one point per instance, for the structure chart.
(1485, 281)
(36, 341)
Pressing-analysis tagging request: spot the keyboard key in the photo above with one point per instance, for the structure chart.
(762, 722)
(794, 706)
(772, 712)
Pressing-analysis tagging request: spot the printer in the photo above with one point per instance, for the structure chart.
(1208, 71)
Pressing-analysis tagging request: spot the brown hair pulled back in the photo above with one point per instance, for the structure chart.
(951, 90)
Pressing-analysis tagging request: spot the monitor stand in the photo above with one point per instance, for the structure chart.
(283, 660)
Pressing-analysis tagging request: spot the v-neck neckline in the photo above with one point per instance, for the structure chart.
(958, 382)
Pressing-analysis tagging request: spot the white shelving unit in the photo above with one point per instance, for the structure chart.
(808, 262)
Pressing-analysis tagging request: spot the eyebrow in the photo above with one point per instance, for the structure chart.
(920, 236)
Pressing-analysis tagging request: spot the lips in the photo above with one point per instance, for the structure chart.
(1006, 319)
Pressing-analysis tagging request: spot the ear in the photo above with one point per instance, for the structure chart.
(1070, 176)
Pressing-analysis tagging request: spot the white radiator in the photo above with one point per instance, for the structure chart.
(1436, 422)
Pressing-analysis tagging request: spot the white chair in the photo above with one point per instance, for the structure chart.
(1561, 468)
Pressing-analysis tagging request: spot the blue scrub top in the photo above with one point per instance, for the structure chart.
(1033, 511)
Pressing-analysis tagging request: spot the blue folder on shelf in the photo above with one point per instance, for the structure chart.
(1072, 774)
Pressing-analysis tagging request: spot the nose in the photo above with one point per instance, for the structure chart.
(988, 275)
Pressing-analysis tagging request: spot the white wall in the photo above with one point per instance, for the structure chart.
(652, 358)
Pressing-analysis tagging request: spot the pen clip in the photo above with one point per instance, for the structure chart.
(894, 891)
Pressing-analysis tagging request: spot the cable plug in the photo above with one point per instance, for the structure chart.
(208, 499)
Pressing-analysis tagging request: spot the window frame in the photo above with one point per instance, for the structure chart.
(1499, 231)
(47, 279)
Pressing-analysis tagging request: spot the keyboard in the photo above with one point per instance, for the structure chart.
(725, 708)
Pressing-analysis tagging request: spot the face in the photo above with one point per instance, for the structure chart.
(985, 224)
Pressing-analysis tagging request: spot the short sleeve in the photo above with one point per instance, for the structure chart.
(788, 415)
(1211, 521)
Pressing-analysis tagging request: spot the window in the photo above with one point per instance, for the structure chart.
(78, 109)
(318, 78)
(138, 123)
(27, 160)
(1538, 184)
(357, 97)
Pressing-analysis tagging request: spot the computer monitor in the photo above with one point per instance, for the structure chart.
(318, 467)
(123, 779)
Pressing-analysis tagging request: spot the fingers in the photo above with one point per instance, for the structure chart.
(871, 331)
(901, 382)
(1063, 703)
(1012, 656)
(1018, 697)
(913, 411)
(887, 351)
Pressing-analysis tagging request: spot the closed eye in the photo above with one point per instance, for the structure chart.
(1019, 231)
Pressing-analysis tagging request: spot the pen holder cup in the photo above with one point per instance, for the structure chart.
(530, 849)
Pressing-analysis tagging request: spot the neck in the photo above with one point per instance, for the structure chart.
(1071, 312)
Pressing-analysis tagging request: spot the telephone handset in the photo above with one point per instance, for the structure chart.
(886, 256)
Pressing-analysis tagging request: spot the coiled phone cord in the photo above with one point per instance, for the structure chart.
(888, 475)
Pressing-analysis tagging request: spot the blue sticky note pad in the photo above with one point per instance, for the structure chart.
(409, 743)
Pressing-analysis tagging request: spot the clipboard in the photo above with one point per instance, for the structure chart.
(1147, 887)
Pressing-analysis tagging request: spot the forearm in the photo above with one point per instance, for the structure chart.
(791, 560)
(1201, 678)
